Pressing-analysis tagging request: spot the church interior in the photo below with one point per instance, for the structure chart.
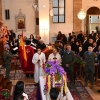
(49, 49)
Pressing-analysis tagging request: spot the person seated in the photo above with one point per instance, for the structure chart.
(55, 56)
(21, 98)
(19, 90)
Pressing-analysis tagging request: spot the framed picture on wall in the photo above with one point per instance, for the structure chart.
(20, 21)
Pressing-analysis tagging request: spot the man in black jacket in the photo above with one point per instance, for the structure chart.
(85, 44)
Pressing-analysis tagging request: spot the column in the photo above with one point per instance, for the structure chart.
(77, 23)
(44, 20)
(0, 10)
(37, 19)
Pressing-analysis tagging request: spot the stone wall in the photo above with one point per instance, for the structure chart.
(77, 23)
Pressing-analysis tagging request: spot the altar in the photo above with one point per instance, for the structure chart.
(42, 90)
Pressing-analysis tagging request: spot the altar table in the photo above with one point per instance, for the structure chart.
(42, 85)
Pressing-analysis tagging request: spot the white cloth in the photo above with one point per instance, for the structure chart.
(43, 96)
(25, 95)
(51, 56)
(38, 67)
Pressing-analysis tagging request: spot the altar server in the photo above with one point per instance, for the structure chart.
(38, 60)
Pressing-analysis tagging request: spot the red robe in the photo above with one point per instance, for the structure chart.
(30, 66)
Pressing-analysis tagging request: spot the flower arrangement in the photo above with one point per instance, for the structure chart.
(55, 77)
(79, 60)
(5, 94)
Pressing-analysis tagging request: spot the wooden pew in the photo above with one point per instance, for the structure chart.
(8, 86)
(3, 83)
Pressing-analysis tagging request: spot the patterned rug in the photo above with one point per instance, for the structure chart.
(31, 90)
(79, 92)
(18, 75)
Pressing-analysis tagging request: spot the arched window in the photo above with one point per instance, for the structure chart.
(59, 11)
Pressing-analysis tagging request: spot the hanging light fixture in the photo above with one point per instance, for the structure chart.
(81, 15)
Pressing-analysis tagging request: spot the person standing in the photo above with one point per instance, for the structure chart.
(68, 61)
(29, 70)
(7, 56)
(89, 69)
(39, 60)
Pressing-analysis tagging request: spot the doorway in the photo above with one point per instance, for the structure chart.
(94, 23)
(93, 20)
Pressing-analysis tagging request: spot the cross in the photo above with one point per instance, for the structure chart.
(27, 51)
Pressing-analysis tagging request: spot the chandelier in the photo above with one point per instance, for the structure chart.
(81, 14)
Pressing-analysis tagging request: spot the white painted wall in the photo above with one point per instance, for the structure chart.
(26, 8)
(66, 27)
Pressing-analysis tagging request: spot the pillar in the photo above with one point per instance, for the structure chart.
(44, 20)
(77, 23)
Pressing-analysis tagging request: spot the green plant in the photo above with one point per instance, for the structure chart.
(6, 94)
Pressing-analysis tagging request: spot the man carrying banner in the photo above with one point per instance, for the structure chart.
(29, 69)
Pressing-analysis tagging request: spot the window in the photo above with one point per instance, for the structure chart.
(59, 11)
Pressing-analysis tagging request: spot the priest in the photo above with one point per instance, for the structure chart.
(29, 69)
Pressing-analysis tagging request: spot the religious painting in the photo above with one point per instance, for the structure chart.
(20, 20)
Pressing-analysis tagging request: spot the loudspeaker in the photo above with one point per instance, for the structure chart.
(37, 21)
(7, 14)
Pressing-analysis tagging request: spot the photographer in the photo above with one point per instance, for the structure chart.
(7, 56)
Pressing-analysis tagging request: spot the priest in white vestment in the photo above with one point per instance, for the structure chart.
(39, 61)
(55, 56)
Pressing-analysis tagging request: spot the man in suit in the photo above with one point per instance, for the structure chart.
(80, 37)
(97, 40)
(85, 44)
(95, 48)
(72, 44)
(92, 35)
(68, 61)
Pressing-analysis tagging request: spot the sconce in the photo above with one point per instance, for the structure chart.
(36, 9)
